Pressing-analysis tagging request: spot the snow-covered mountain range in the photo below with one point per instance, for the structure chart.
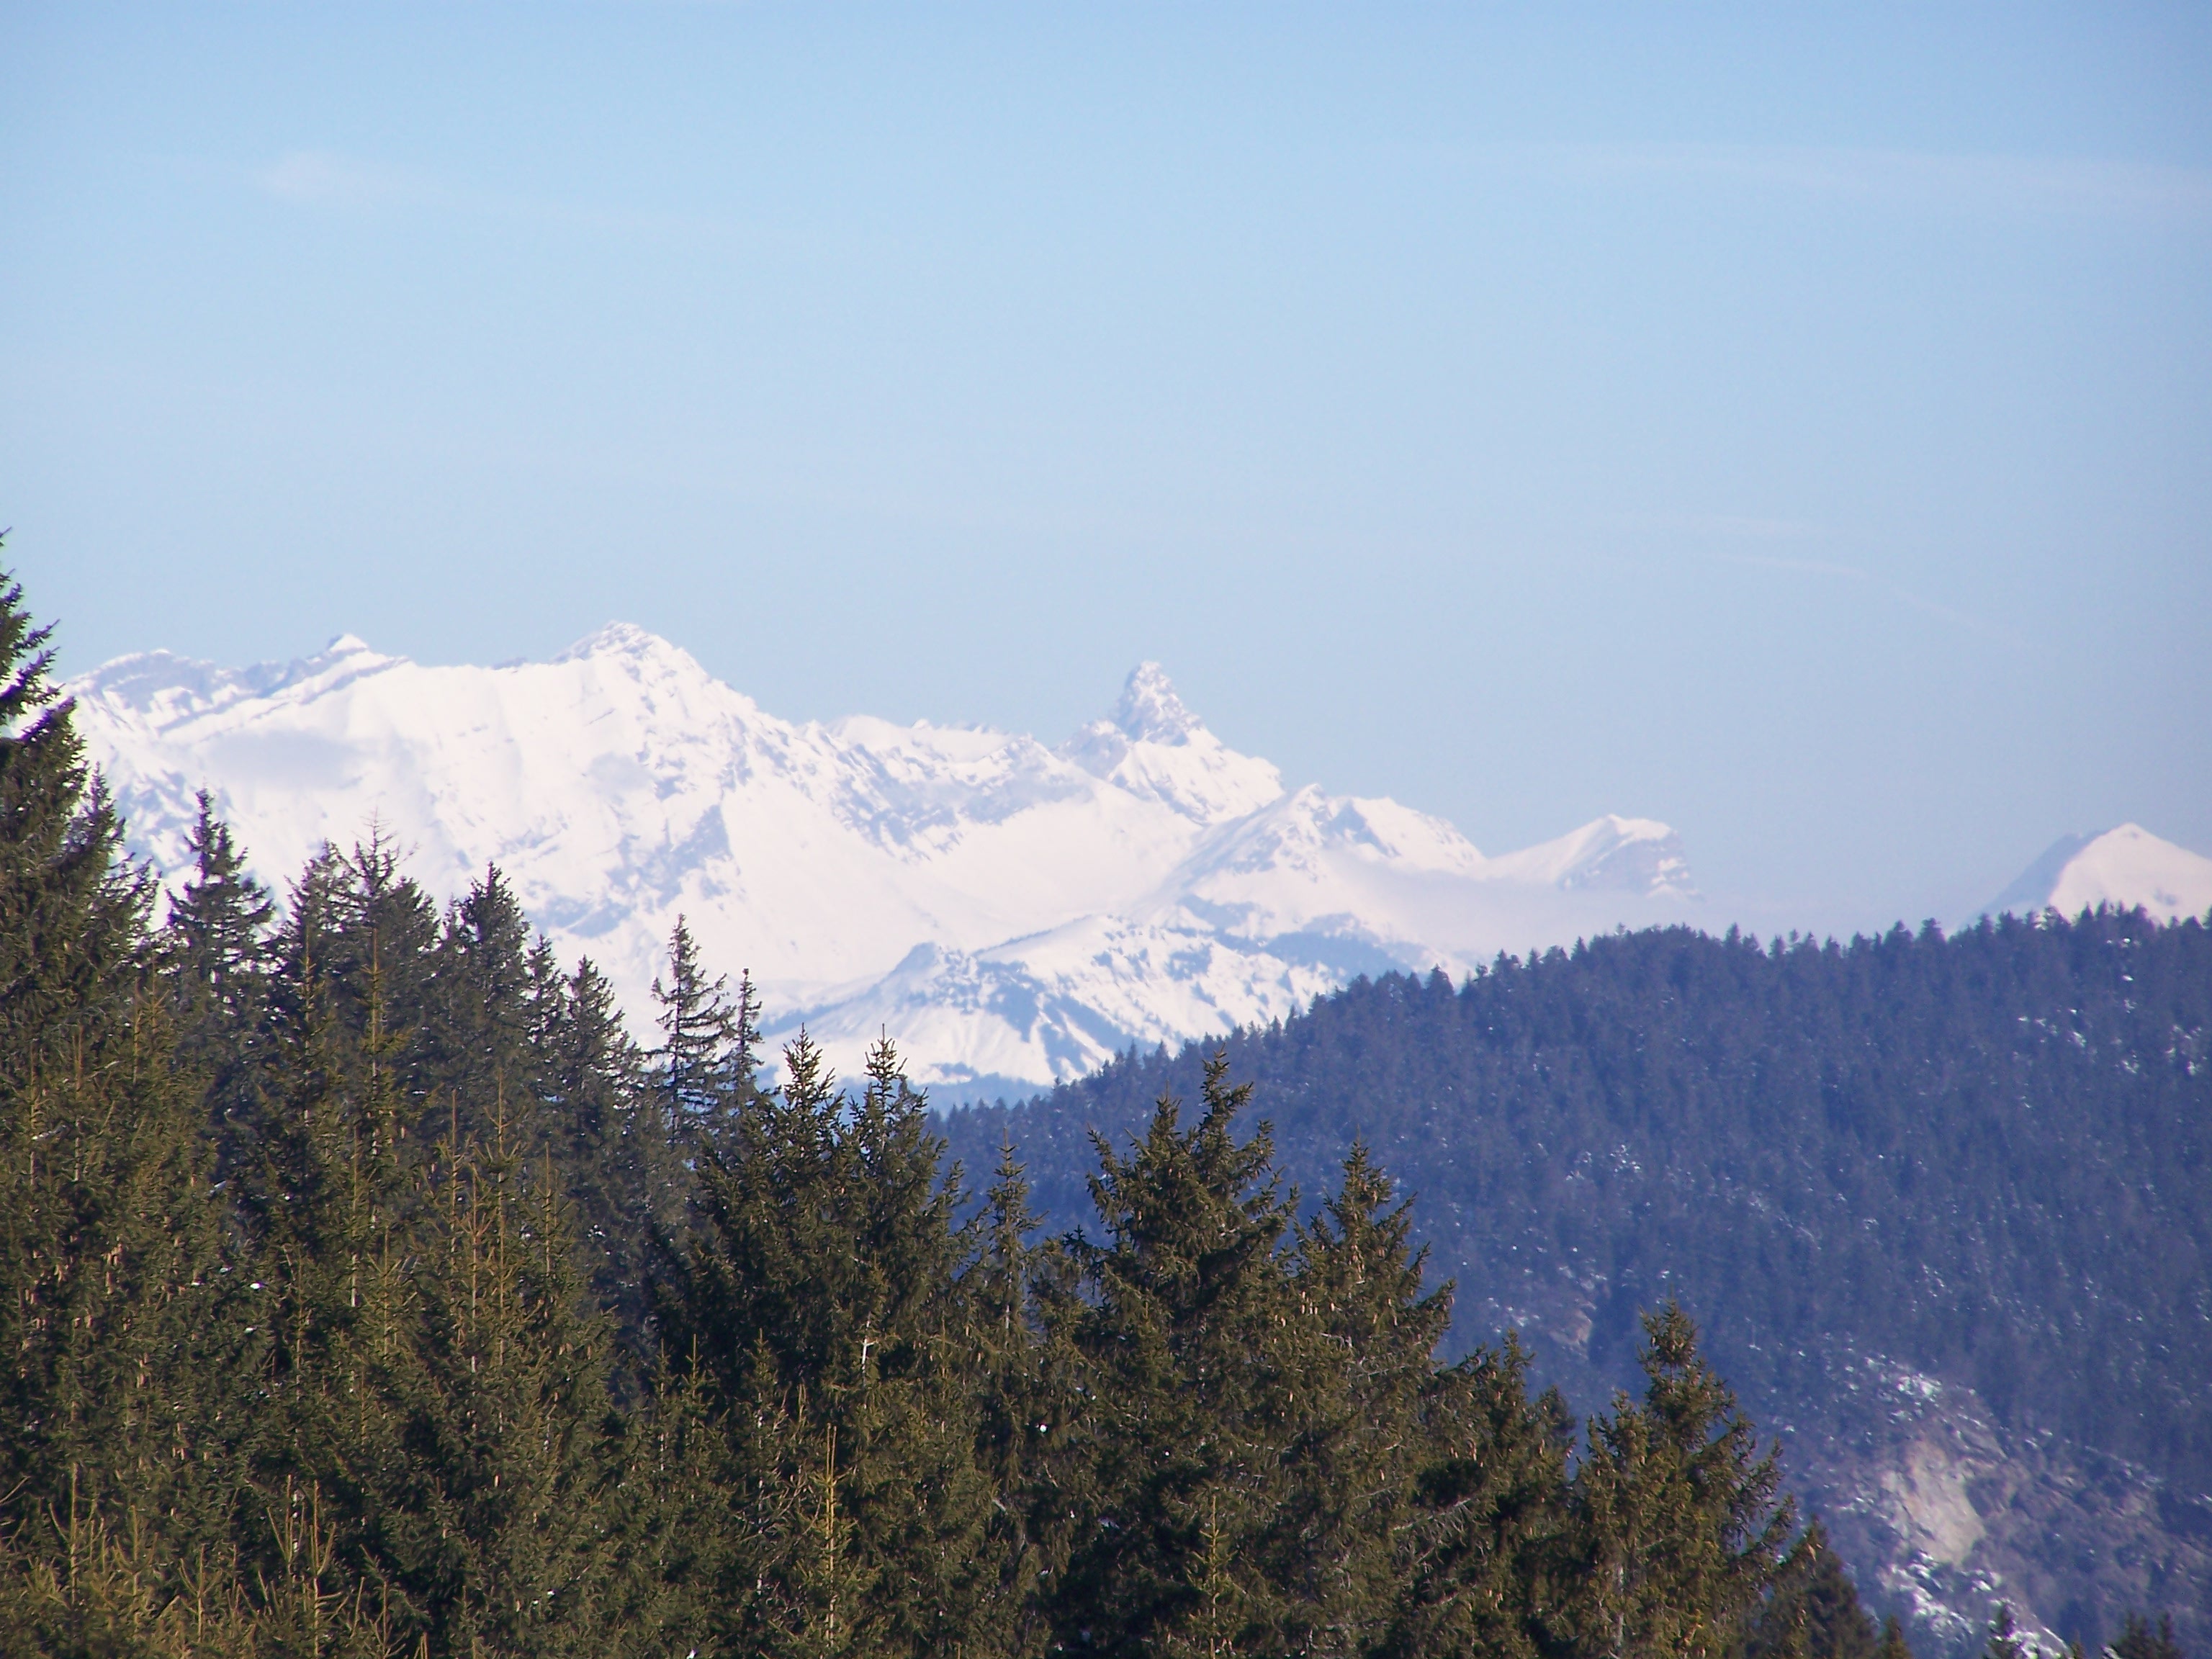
(1012, 914)
(2128, 867)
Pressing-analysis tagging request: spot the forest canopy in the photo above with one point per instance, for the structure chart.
(370, 1290)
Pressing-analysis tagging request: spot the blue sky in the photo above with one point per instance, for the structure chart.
(1798, 427)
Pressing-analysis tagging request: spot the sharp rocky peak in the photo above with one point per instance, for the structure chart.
(616, 639)
(1150, 711)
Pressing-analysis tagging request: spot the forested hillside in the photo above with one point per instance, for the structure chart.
(1911, 1171)
(366, 1290)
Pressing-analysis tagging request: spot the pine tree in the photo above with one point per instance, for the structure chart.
(72, 911)
(366, 923)
(1680, 1532)
(513, 1535)
(112, 1312)
(438, 1432)
(479, 1024)
(1812, 1610)
(327, 1209)
(1489, 1560)
(626, 1179)
(1373, 1326)
(816, 1310)
(216, 957)
(2004, 1640)
(216, 939)
(707, 1043)
(1020, 1397)
(1187, 1327)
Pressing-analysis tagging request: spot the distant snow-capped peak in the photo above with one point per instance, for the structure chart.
(1154, 747)
(2128, 868)
(1012, 913)
(1150, 712)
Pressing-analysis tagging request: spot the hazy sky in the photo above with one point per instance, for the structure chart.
(1797, 427)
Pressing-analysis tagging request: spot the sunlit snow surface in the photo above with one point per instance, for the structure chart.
(2128, 867)
(1011, 913)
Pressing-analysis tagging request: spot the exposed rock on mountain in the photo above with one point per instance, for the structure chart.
(1016, 914)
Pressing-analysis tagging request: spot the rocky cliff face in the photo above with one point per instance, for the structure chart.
(1960, 1514)
(1943, 1513)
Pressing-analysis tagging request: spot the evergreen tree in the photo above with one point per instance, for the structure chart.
(1021, 1394)
(214, 952)
(707, 1043)
(438, 1429)
(2005, 1640)
(1489, 1566)
(504, 1523)
(626, 1179)
(112, 1325)
(1680, 1529)
(363, 1397)
(482, 1012)
(327, 1210)
(357, 928)
(2139, 1641)
(72, 910)
(1833, 1149)
(815, 1311)
(1373, 1326)
(1812, 1611)
(1193, 1367)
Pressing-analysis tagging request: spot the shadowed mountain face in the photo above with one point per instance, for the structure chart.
(1943, 1207)
(1017, 913)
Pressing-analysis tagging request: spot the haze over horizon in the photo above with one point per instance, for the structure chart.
(1790, 430)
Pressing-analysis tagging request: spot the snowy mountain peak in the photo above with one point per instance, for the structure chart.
(1153, 746)
(1150, 711)
(1012, 914)
(162, 687)
(1638, 855)
(621, 639)
(2128, 867)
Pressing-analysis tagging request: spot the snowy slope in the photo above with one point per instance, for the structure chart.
(1012, 914)
(2127, 867)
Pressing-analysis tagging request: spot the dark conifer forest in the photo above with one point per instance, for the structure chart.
(1989, 1156)
(370, 1290)
(1981, 1161)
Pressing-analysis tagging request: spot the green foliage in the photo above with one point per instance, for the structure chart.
(1986, 1157)
(215, 954)
(704, 1075)
(1191, 1366)
(1489, 1559)
(1813, 1611)
(368, 1291)
(1371, 1404)
(1677, 1533)
(816, 1316)
(112, 1312)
